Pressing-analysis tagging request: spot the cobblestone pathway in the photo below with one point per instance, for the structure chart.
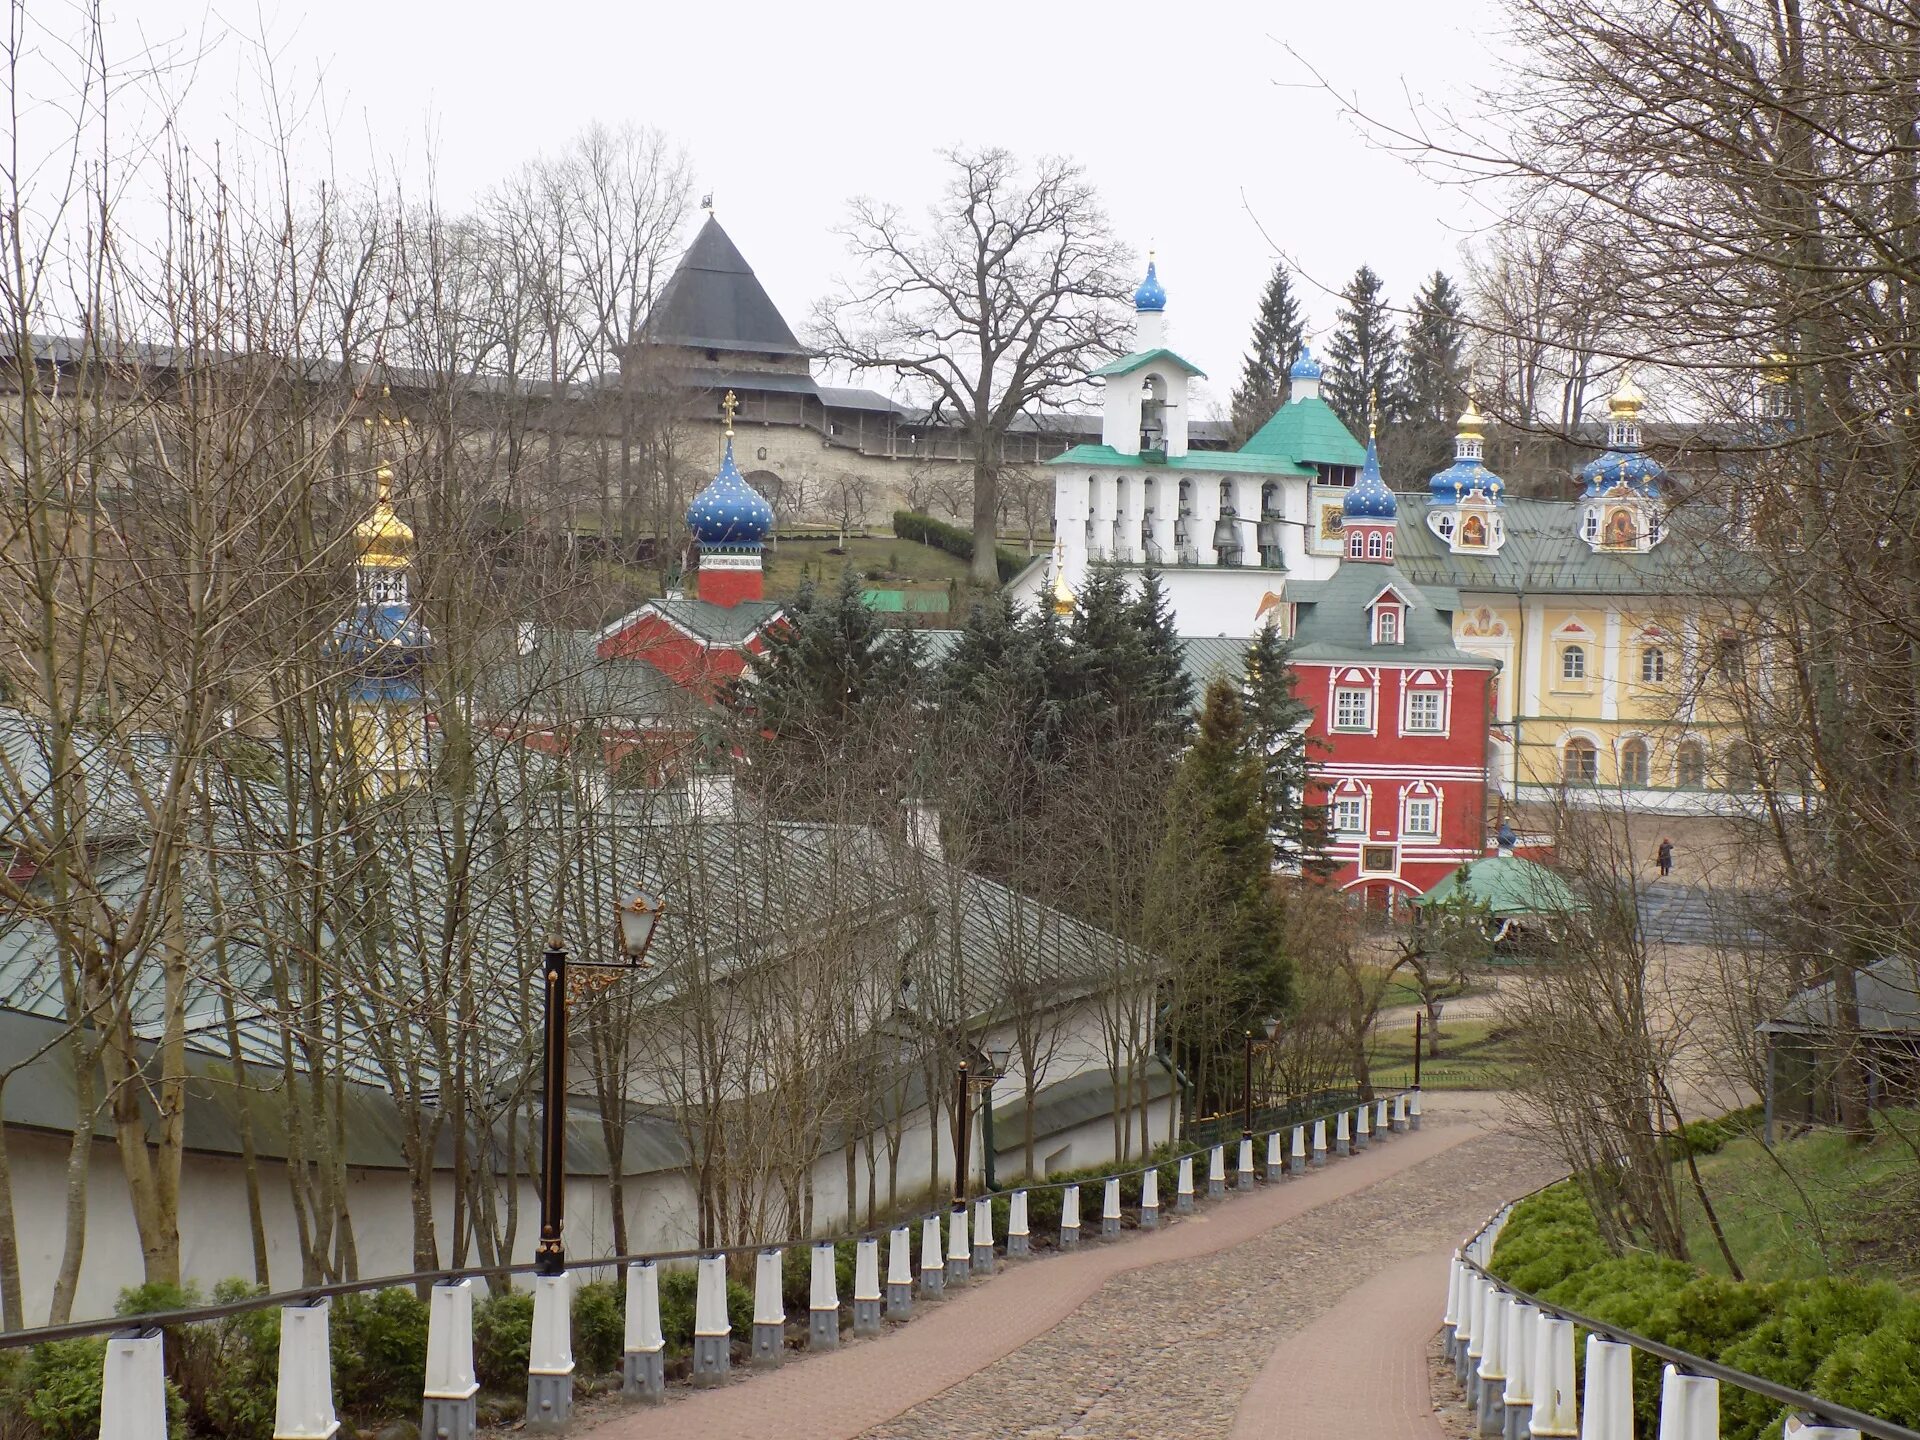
(1301, 1310)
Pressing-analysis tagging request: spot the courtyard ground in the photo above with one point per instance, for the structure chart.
(1304, 1309)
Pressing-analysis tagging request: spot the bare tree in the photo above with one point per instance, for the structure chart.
(997, 305)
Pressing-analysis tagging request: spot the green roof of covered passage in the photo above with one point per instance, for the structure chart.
(1218, 461)
(1508, 886)
(1307, 431)
(1140, 359)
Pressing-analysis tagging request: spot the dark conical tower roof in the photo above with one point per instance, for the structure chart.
(713, 302)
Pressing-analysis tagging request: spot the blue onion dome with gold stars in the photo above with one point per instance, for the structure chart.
(1306, 367)
(729, 512)
(1370, 499)
(1625, 463)
(1151, 295)
(1468, 474)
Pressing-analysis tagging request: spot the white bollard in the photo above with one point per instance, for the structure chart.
(769, 1308)
(1606, 1411)
(1319, 1142)
(1297, 1158)
(1478, 1292)
(712, 1330)
(1342, 1145)
(983, 1236)
(1150, 1200)
(1382, 1121)
(900, 1273)
(447, 1408)
(1518, 1396)
(133, 1388)
(1493, 1363)
(933, 1259)
(1276, 1162)
(1362, 1128)
(1110, 1208)
(1216, 1172)
(959, 1246)
(823, 1300)
(1400, 1111)
(1244, 1179)
(1019, 1242)
(1070, 1217)
(1413, 1110)
(1554, 1412)
(303, 1408)
(550, 1357)
(1450, 1318)
(1809, 1427)
(643, 1365)
(1689, 1406)
(866, 1286)
(1183, 1189)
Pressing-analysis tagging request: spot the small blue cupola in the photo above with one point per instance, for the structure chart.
(1304, 377)
(1467, 497)
(729, 513)
(1369, 513)
(1622, 508)
(1150, 295)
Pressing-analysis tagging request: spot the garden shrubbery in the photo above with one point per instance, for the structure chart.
(912, 525)
(1847, 1341)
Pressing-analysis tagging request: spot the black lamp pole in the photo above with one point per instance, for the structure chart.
(1419, 1017)
(1246, 1090)
(962, 1138)
(635, 924)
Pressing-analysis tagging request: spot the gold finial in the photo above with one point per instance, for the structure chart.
(1373, 415)
(727, 407)
(383, 485)
(1628, 400)
(1472, 422)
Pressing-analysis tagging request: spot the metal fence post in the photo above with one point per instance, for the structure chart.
(303, 1408)
(447, 1399)
(769, 1307)
(823, 1300)
(133, 1387)
(1606, 1411)
(900, 1273)
(643, 1366)
(712, 1330)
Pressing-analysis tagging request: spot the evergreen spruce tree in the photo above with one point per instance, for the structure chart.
(1435, 374)
(1276, 734)
(1165, 685)
(1277, 337)
(1363, 355)
(1216, 914)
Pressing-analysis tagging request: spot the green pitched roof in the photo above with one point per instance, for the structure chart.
(1508, 886)
(1307, 431)
(1218, 461)
(1333, 622)
(1126, 364)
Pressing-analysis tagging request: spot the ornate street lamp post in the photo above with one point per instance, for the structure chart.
(635, 923)
(978, 1076)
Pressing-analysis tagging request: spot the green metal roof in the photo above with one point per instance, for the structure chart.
(1219, 461)
(1307, 431)
(1333, 623)
(1140, 359)
(1508, 886)
(1544, 555)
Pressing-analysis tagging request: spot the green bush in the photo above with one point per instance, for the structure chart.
(502, 1340)
(678, 1290)
(911, 525)
(379, 1342)
(1809, 1324)
(59, 1391)
(236, 1369)
(796, 1276)
(1876, 1372)
(599, 1327)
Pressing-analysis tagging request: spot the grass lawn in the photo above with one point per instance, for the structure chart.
(1821, 1204)
(1473, 1056)
(914, 564)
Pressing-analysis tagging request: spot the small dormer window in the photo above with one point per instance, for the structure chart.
(1387, 626)
(1590, 526)
(1446, 527)
(1653, 527)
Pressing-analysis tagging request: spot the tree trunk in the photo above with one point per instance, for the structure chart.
(985, 568)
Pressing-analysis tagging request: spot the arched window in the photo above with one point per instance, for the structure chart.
(1653, 665)
(1689, 766)
(1591, 526)
(1741, 771)
(1389, 545)
(1579, 762)
(1353, 545)
(1373, 545)
(1446, 527)
(1573, 662)
(1636, 764)
(1389, 627)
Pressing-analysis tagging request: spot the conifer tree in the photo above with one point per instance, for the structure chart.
(1265, 381)
(1165, 680)
(1435, 374)
(1276, 733)
(1216, 915)
(1363, 355)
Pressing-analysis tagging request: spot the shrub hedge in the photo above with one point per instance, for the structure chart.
(912, 525)
(1847, 1341)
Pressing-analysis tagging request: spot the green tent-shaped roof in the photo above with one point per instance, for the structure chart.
(1307, 431)
(1508, 886)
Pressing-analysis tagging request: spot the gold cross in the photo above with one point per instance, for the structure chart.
(1373, 414)
(727, 407)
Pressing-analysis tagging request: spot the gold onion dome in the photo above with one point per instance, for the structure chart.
(1628, 400)
(383, 539)
(1473, 425)
(1063, 599)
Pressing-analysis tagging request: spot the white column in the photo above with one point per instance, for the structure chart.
(133, 1389)
(1070, 1217)
(1552, 1374)
(1520, 1346)
(866, 1285)
(1183, 1188)
(303, 1407)
(1150, 1200)
(1100, 511)
(1607, 1407)
(1110, 1208)
(1166, 508)
(823, 1299)
(1217, 1170)
(1689, 1406)
(1610, 667)
(1206, 511)
(448, 1410)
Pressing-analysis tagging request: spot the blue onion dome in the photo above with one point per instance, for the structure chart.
(1306, 367)
(1468, 474)
(1370, 499)
(1150, 295)
(730, 512)
(1625, 463)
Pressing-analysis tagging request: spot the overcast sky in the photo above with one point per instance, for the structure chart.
(1198, 126)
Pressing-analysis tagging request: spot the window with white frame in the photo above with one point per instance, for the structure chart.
(1349, 816)
(1426, 712)
(1423, 816)
(1373, 545)
(1352, 709)
(1573, 662)
(1653, 665)
(1389, 544)
(1591, 526)
(1353, 545)
(1387, 626)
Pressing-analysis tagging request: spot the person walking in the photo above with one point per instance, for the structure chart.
(1663, 857)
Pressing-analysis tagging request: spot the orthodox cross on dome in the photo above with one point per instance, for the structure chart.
(727, 408)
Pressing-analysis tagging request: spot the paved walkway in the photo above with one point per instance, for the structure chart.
(1303, 1309)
